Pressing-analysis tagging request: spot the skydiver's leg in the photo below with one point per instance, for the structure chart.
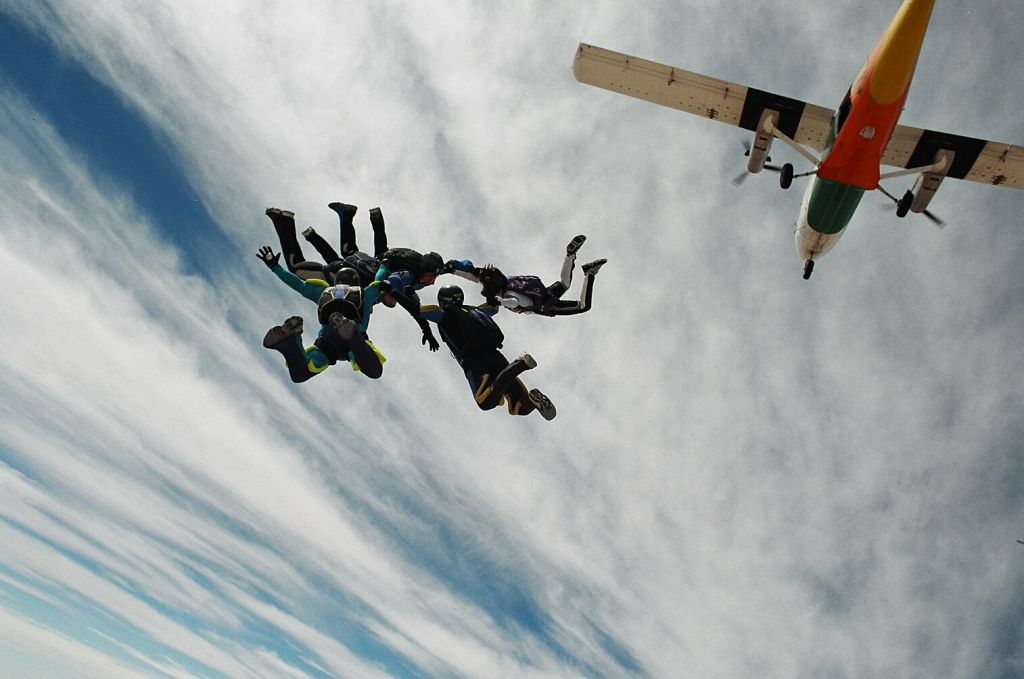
(380, 238)
(361, 352)
(558, 288)
(348, 231)
(564, 308)
(287, 340)
(490, 393)
(284, 224)
(323, 248)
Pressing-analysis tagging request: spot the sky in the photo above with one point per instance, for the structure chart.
(750, 475)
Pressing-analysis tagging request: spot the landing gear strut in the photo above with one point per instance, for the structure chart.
(808, 268)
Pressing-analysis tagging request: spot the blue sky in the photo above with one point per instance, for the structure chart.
(750, 474)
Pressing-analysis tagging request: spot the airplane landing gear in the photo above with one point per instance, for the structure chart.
(903, 204)
(786, 176)
(808, 268)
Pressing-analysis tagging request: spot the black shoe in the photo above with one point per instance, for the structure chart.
(543, 404)
(343, 208)
(345, 327)
(591, 268)
(279, 333)
(376, 218)
(278, 212)
(575, 244)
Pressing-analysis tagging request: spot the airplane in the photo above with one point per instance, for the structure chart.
(853, 141)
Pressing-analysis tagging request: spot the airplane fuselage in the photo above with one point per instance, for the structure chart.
(861, 130)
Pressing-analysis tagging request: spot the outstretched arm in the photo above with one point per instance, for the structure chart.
(463, 268)
(413, 308)
(311, 291)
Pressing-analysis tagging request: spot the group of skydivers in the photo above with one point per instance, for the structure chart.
(350, 282)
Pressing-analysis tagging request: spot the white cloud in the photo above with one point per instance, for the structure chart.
(750, 474)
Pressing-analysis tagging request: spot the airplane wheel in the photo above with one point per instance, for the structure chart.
(786, 177)
(903, 206)
(808, 268)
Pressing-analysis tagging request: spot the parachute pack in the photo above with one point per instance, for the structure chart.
(403, 259)
(492, 337)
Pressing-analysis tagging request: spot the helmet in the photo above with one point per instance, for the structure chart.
(493, 281)
(432, 263)
(345, 275)
(449, 297)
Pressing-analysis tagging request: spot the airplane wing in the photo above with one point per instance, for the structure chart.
(978, 160)
(700, 95)
(988, 162)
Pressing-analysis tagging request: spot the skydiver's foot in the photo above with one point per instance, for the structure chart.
(345, 327)
(376, 218)
(575, 244)
(343, 208)
(543, 404)
(279, 333)
(591, 268)
(308, 232)
(529, 361)
(278, 212)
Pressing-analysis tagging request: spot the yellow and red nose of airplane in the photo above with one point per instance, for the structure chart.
(895, 57)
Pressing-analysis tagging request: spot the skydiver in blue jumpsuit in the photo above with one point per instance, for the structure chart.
(474, 339)
(344, 310)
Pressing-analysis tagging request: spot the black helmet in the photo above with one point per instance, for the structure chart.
(432, 263)
(493, 281)
(345, 275)
(449, 297)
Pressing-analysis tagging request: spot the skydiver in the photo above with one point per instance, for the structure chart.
(343, 309)
(407, 270)
(350, 253)
(528, 294)
(474, 339)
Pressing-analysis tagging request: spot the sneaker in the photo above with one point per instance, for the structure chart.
(342, 208)
(593, 267)
(530, 361)
(278, 212)
(279, 333)
(345, 327)
(308, 232)
(575, 244)
(543, 404)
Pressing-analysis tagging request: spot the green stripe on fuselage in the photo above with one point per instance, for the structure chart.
(832, 205)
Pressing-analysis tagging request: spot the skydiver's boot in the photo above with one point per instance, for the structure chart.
(543, 404)
(591, 268)
(365, 357)
(348, 232)
(279, 333)
(284, 224)
(286, 339)
(575, 244)
(380, 237)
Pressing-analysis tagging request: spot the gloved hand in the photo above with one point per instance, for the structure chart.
(449, 266)
(428, 336)
(383, 286)
(268, 257)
